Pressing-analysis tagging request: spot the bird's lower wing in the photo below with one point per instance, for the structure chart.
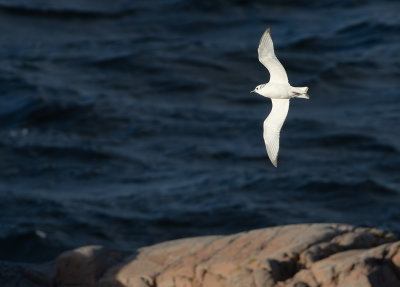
(272, 127)
(266, 56)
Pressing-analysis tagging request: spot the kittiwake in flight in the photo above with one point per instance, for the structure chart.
(279, 91)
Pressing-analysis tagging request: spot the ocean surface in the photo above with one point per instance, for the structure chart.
(126, 123)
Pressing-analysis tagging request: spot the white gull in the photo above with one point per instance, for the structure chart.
(279, 91)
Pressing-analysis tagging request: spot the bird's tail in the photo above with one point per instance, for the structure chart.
(300, 92)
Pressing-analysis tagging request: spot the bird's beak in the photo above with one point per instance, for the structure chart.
(253, 91)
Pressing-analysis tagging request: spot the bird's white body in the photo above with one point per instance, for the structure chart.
(275, 91)
(279, 91)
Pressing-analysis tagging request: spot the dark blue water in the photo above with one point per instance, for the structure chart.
(126, 123)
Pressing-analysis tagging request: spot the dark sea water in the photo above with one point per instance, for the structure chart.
(126, 123)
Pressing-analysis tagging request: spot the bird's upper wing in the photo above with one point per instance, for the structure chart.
(266, 56)
(272, 127)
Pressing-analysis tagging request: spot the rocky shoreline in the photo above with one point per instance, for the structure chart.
(313, 255)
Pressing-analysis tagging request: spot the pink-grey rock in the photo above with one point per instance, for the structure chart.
(83, 267)
(306, 255)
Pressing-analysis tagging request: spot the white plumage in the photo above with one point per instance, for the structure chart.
(266, 55)
(280, 92)
(272, 127)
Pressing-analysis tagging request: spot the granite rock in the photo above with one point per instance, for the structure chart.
(305, 255)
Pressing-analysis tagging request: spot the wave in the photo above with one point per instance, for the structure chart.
(360, 35)
(33, 111)
(352, 141)
(64, 12)
(341, 189)
(366, 28)
(217, 5)
(29, 247)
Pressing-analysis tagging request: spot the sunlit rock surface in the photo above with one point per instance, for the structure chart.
(295, 255)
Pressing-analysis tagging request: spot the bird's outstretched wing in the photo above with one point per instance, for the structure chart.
(266, 56)
(272, 127)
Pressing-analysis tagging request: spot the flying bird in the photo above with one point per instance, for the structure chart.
(279, 91)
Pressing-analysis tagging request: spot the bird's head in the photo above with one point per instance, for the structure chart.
(257, 89)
